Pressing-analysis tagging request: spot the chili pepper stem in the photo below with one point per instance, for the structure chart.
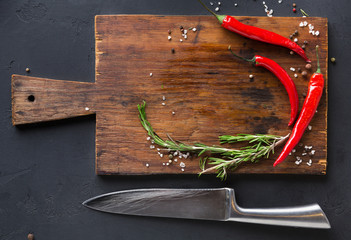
(219, 17)
(253, 60)
(318, 65)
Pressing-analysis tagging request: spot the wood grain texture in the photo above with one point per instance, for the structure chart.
(209, 91)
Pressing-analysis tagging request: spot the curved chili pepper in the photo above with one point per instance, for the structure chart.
(314, 94)
(259, 34)
(284, 78)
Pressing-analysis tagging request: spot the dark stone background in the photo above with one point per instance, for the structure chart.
(47, 170)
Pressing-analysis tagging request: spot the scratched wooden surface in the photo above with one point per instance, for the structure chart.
(209, 91)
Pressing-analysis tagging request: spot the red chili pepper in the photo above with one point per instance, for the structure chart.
(255, 33)
(315, 91)
(284, 78)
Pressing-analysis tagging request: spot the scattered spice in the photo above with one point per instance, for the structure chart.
(30, 236)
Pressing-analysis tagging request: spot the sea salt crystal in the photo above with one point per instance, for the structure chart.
(182, 165)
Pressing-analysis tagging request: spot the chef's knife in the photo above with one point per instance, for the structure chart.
(206, 204)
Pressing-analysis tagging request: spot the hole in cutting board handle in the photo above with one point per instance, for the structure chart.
(31, 98)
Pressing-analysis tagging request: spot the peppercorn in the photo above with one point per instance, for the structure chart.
(30, 236)
(333, 60)
(170, 156)
(291, 36)
(308, 66)
(304, 73)
(303, 46)
(169, 31)
(299, 70)
(291, 52)
(305, 42)
(173, 51)
(294, 10)
(296, 32)
(27, 70)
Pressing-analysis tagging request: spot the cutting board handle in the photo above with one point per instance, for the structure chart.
(39, 99)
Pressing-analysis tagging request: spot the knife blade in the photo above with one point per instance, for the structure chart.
(204, 204)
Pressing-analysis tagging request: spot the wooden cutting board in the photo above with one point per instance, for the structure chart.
(208, 90)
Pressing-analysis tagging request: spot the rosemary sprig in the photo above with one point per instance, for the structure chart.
(223, 159)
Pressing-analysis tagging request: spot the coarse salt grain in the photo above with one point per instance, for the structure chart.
(169, 37)
(175, 160)
(280, 1)
(152, 146)
(211, 3)
(296, 40)
(295, 75)
(292, 69)
(217, 9)
(87, 109)
(235, 4)
(148, 138)
(182, 169)
(313, 152)
(163, 104)
(163, 98)
(151, 74)
(301, 24)
(180, 40)
(147, 165)
(309, 127)
(163, 164)
(173, 113)
(194, 29)
(182, 165)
